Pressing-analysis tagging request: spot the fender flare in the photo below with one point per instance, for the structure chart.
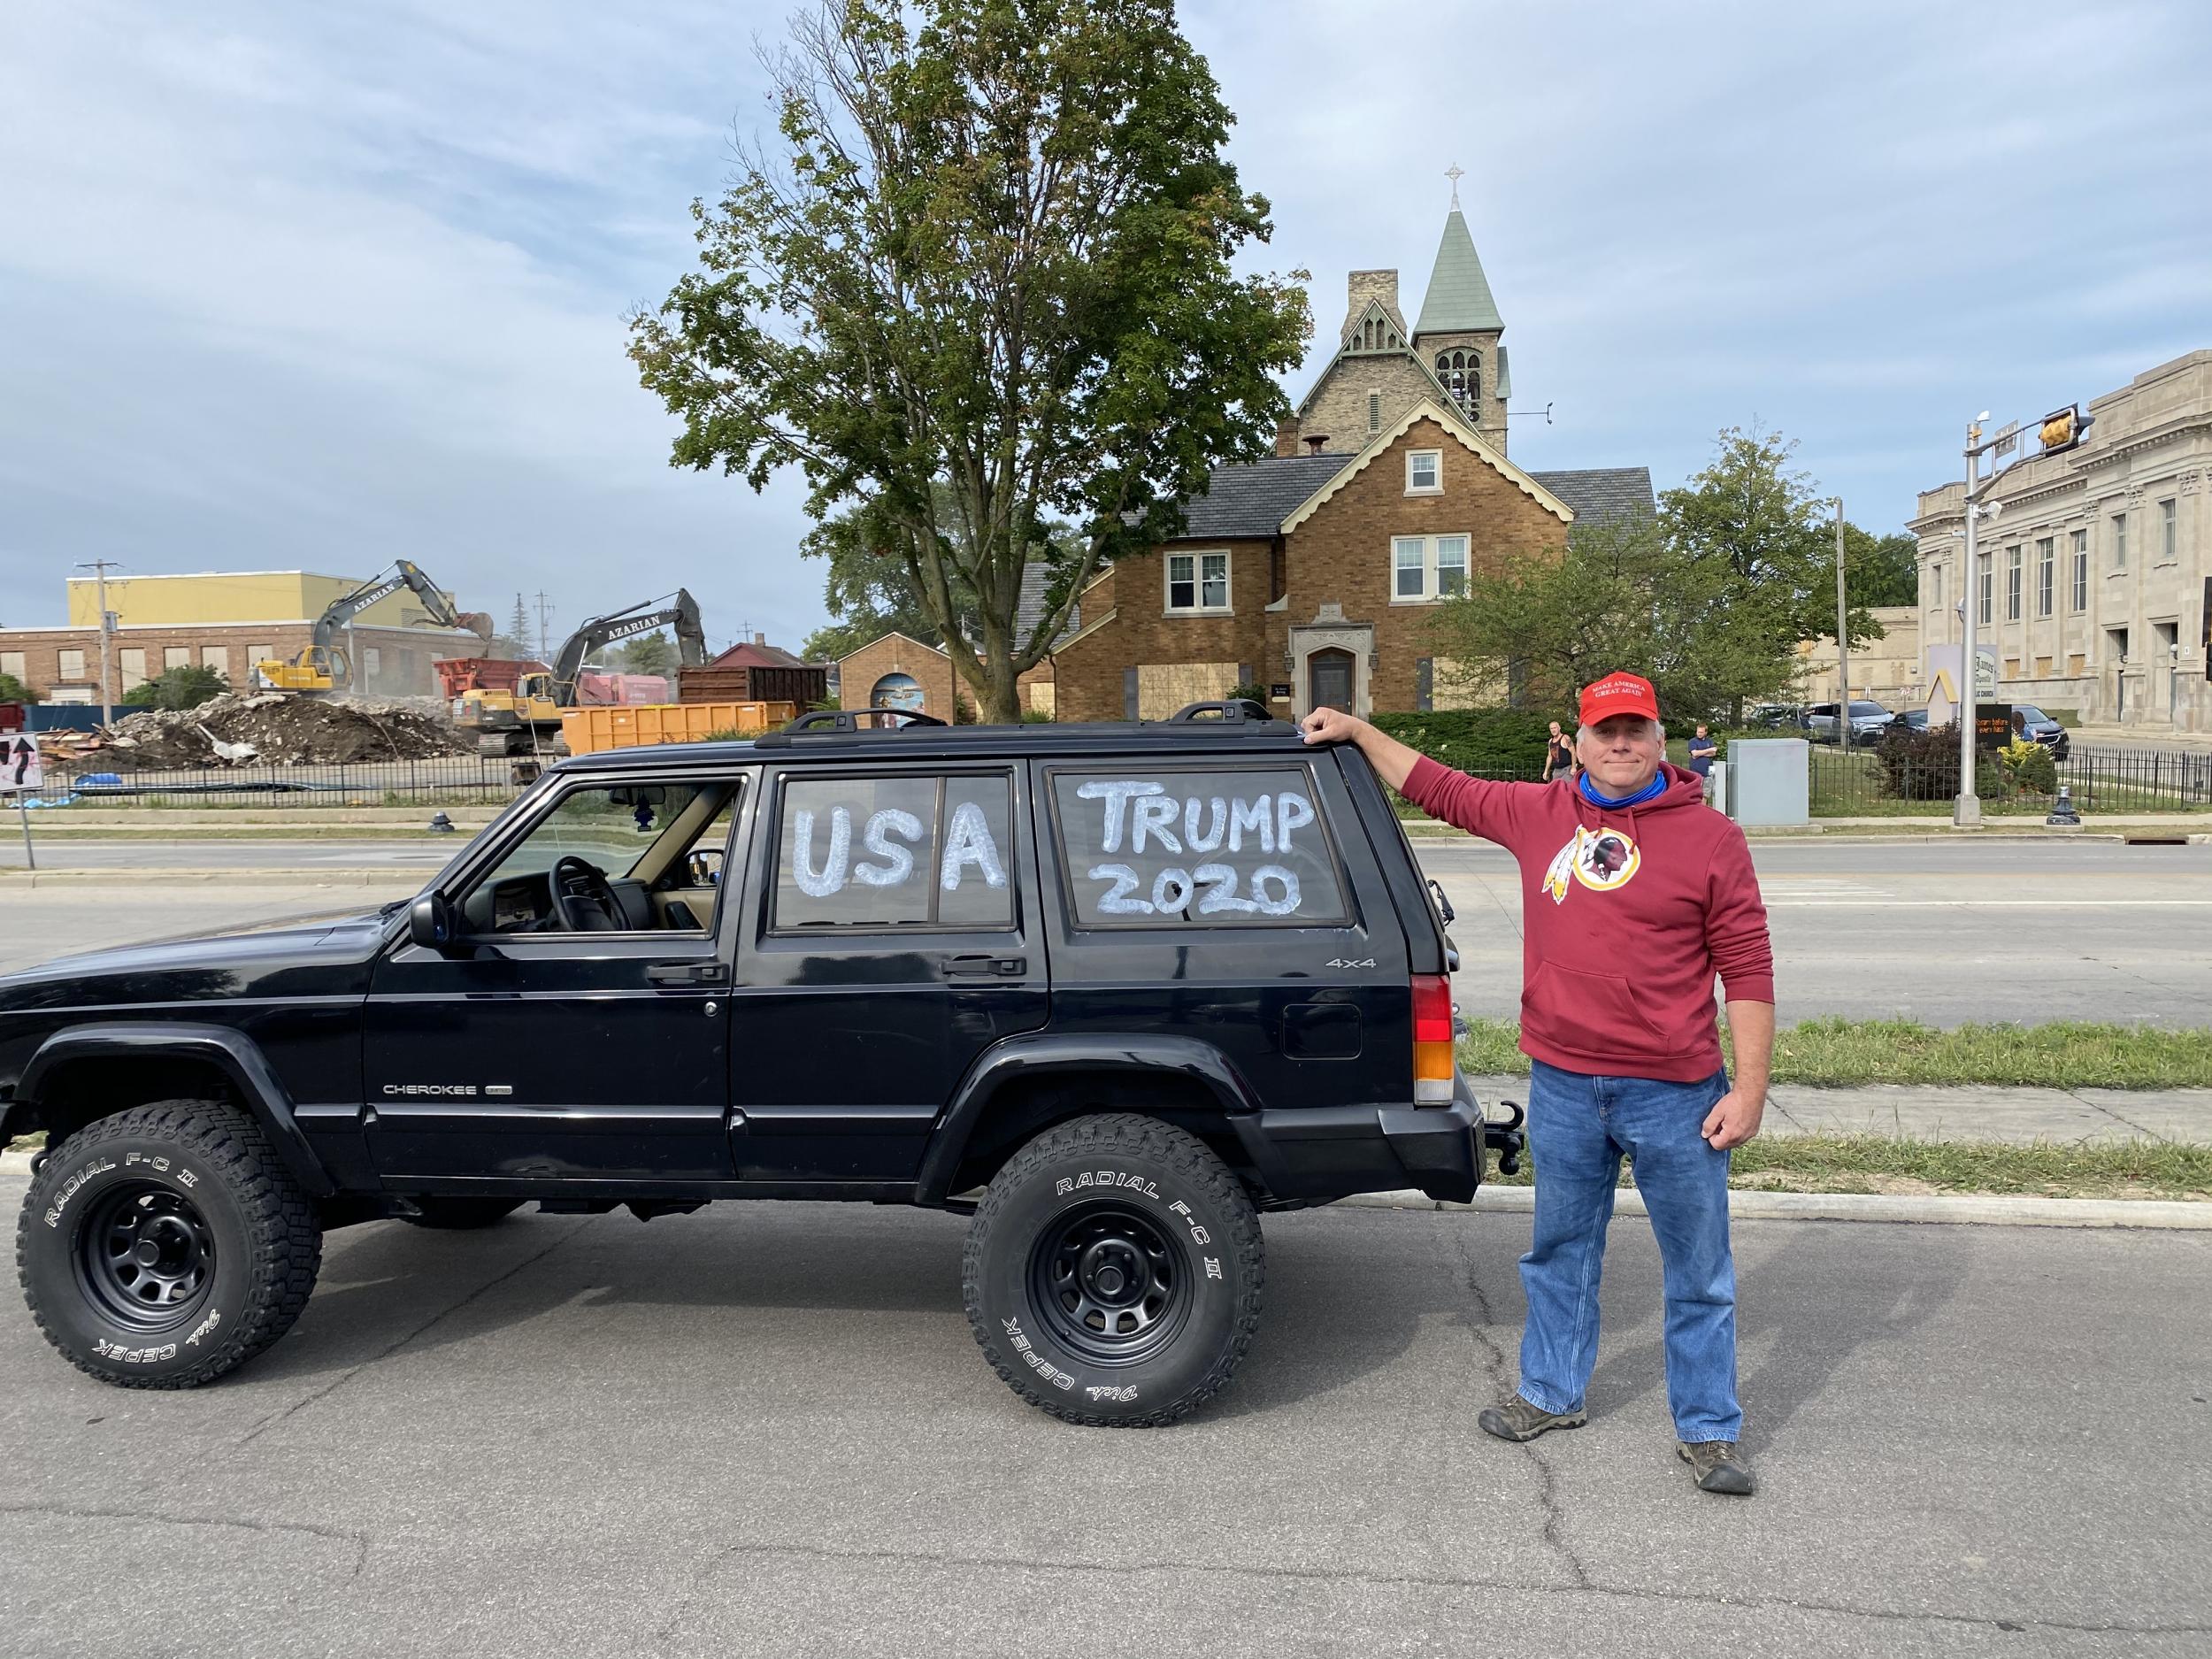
(259, 1090)
(1038, 1054)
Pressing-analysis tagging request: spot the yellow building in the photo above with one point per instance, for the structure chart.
(1884, 670)
(227, 596)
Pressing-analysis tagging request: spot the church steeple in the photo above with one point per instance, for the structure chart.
(1458, 300)
(1457, 333)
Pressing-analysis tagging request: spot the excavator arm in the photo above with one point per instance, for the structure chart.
(680, 610)
(322, 665)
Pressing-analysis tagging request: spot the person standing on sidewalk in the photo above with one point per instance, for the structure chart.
(1703, 751)
(1633, 895)
(1559, 755)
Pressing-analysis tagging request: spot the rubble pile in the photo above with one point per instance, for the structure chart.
(272, 729)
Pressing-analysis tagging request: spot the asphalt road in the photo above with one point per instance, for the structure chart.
(765, 1429)
(1942, 932)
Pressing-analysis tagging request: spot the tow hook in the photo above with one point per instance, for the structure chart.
(1505, 1138)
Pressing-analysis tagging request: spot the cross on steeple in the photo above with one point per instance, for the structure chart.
(1454, 172)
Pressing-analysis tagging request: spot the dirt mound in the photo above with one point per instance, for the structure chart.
(281, 731)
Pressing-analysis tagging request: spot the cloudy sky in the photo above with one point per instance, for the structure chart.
(313, 285)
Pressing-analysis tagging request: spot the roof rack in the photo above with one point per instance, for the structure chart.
(1226, 711)
(847, 720)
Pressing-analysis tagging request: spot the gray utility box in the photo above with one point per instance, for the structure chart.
(1770, 780)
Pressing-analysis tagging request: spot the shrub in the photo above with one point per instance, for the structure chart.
(1037, 716)
(1251, 691)
(185, 687)
(1495, 741)
(1924, 765)
(13, 690)
(2028, 767)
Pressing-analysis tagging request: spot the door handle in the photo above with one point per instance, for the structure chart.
(983, 966)
(686, 973)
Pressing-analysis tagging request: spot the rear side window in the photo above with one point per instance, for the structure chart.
(909, 851)
(1207, 848)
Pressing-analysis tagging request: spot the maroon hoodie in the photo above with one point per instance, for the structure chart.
(1627, 913)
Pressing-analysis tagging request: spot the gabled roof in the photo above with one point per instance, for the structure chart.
(1446, 416)
(1254, 499)
(1458, 298)
(1029, 608)
(893, 633)
(757, 654)
(1392, 323)
(1600, 495)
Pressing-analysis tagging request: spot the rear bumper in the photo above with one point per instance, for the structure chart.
(1333, 1152)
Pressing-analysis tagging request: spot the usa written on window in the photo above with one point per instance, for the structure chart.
(1146, 818)
(889, 836)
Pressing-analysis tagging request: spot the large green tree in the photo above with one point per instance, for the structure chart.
(1709, 600)
(994, 253)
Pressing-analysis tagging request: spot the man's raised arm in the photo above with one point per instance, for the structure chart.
(1474, 804)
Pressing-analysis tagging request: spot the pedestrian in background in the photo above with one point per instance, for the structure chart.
(1702, 751)
(1631, 903)
(1559, 755)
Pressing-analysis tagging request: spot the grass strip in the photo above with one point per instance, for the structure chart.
(2061, 1054)
(1876, 1164)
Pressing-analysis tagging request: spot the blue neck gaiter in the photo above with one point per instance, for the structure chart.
(1651, 791)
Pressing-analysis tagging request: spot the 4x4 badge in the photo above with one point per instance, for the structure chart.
(1345, 962)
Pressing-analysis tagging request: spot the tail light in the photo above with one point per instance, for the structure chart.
(1432, 1040)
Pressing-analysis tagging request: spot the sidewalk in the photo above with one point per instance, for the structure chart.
(1965, 1112)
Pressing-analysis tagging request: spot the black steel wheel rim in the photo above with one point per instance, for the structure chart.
(1112, 1283)
(145, 1257)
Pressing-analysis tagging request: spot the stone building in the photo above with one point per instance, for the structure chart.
(1888, 670)
(227, 621)
(1316, 573)
(2095, 576)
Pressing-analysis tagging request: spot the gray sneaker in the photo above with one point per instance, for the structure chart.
(1717, 1466)
(1515, 1419)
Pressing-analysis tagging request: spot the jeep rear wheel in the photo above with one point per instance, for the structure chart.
(164, 1246)
(1112, 1272)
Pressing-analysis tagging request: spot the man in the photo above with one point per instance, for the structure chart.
(1633, 895)
(1558, 757)
(1702, 750)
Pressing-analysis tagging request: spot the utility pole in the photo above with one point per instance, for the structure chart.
(1843, 644)
(99, 568)
(545, 615)
(1966, 806)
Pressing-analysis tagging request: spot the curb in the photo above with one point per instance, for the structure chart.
(321, 876)
(1992, 1210)
(20, 1164)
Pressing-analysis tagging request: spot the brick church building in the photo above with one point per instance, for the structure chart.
(1316, 572)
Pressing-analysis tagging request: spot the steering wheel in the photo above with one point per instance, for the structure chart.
(582, 900)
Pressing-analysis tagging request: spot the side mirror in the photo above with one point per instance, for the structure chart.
(430, 922)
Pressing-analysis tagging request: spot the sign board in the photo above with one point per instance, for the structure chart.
(1992, 724)
(1280, 692)
(22, 769)
(1984, 671)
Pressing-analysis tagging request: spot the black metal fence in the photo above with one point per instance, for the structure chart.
(448, 778)
(1866, 781)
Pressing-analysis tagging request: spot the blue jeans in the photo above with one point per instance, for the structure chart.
(1579, 1128)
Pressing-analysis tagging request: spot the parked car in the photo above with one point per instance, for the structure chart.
(1910, 721)
(972, 970)
(1868, 721)
(2037, 728)
(1775, 717)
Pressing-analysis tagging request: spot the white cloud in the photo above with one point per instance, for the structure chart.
(323, 284)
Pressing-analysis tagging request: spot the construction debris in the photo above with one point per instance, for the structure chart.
(276, 730)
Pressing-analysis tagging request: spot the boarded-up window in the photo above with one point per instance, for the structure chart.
(132, 661)
(12, 662)
(217, 657)
(176, 656)
(69, 664)
(1164, 688)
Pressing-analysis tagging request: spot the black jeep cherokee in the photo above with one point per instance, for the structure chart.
(1111, 989)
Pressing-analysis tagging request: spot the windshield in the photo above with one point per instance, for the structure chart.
(2028, 711)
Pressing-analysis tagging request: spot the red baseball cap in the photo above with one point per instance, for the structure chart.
(1618, 693)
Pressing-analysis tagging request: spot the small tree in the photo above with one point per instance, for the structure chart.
(995, 257)
(13, 690)
(653, 653)
(186, 687)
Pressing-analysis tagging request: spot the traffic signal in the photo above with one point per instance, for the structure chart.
(2064, 428)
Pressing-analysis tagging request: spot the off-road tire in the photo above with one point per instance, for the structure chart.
(211, 1166)
(1172, 1189)
(463, 1215)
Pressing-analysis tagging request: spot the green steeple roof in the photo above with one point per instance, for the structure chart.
(1458, 300)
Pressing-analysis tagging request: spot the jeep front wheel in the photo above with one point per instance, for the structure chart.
(1112, 1272)
(166, 1245)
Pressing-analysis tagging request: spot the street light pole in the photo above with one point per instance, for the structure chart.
(1843, 645)
(1966, 808)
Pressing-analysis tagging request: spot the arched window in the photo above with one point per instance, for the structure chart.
(1460, 374)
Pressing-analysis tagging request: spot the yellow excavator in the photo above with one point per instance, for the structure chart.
(322, 666)
(514, 709)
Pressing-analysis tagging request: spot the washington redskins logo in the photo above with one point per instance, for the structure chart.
(1600, 859)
